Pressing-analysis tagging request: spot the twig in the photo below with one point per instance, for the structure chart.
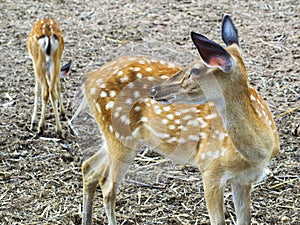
(144, 184)
(282, 183)
(115, 40)
(50, 139)
(288, 111)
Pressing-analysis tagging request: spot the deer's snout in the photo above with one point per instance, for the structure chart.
(153, 92)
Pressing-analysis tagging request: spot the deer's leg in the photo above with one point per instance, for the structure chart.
(45, 98)
(36, 98)
(61, 105)
(242, 203)
(55, 97)
(55, 101)
(214, 197)
(105, 168)
(92, 170)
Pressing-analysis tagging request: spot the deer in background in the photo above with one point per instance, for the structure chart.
(206, 115)
(46, 45)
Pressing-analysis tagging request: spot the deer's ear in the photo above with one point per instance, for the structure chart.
(65, 69)
(212, 53)
(229, 32)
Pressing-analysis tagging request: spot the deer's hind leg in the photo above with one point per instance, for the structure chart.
(55, 94)
(107, 167)
(37, 93)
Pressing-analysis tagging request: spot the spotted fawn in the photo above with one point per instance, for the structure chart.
(206, 115)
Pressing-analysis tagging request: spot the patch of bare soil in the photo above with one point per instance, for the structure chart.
(40, 177)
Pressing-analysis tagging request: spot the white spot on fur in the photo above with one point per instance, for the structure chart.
(183, 128)
(139, 75)
(172, 127)
(136, 94)
(202, 122)
(119, 108)
(130, 85)
(148, 69)
(259, 114)
(172, 139)
(93, 91)
(123, 118)
(110, 129)
(170, 116)
(167, 108)
(117, 114)
(252, 98)
(124, 79)
(164, 121)
(202, 135)
(120, 73)
(109, 105)
(164, 77)
(203, 156)
(187, 117)
(137, 108)
(158, 111)
(158, 134)
(99, 81)
(181, 140)
(193, 137)
(193, 123)
(103, 94)
(211, 116)
(222, 136)
(177, 121)
(112, 93)
(135, 132)
(144, 119)
(128, 101)
(223, 151)
(98, 108)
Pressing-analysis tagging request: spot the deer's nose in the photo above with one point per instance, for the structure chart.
(153, 92)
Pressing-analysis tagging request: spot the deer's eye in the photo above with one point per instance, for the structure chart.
(194, 71)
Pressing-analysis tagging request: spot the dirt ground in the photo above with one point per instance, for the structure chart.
(40, 177)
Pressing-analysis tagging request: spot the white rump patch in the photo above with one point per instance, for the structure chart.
(54, 43)
(43, 42)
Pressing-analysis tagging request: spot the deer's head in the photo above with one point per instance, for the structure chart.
(206, 79)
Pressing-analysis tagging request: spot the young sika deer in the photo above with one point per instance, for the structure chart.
(46, 45)
(206, 115)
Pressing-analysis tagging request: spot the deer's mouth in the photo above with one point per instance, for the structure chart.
(165, 100)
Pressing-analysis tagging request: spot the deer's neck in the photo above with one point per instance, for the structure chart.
(250, 135)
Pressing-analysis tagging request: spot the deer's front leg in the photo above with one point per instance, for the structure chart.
(242, 203)
(214, 200)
